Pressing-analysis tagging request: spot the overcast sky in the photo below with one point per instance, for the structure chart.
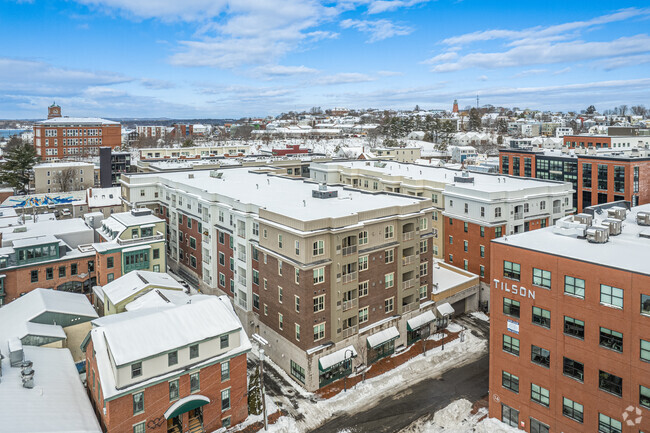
(234, 58)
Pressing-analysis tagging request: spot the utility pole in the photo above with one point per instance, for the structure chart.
(266, 425)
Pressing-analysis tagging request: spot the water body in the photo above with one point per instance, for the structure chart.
(6, 133)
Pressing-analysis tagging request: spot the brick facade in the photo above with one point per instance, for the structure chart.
(186, 245)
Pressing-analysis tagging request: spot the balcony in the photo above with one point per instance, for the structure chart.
(346, 278)
(158, 237)
(352, 303)
(348, 332)
(519, 215)
(410, 307)
(408, 260)
(557, 209)
(408, 235)
(408, 284)
(346, 251)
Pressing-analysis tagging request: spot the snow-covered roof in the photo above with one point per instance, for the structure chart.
(63, 164)
(72, 121)
(161, 298)
(446, 277)
(627, 251)
(421, 320)
(445, 309)
(58, 403)
(335, 358)
(128, 219)
(100, 197)
(382, 337)
(135, 281)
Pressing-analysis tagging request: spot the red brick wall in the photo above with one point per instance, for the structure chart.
(225, 268)
(377, 292)
(102, 269)
(588, 142)
(644, 180)
(626, 365)
(119, 416)
(522, 157)
(111, 137)
(185, 245)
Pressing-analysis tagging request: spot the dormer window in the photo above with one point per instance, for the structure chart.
(224, 341)
(136, 370)
(172, 358)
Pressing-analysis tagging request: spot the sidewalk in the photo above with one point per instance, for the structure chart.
(386, 364)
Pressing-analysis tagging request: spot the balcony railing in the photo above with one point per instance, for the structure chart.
(347, 332)
(408, 260)
(352, 303)
(349, 250)
(519, 215)
(408, 284)
(349, 277)
(557, 209)
(410, 307)
(408, 235)
(137, 240)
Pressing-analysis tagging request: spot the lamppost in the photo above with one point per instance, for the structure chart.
(345, 358)
(262, 388)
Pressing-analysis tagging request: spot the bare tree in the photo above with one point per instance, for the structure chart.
(639, 110)
(362, 352)
(66, 180)
(622, 109)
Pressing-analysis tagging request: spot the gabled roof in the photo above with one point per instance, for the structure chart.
(136, 281)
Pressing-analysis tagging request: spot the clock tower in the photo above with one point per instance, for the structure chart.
(53, 111)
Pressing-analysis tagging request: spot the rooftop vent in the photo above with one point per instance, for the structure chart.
(27, 374)
(216, 174)
(141, 212)
(15, 352)
(190, 175)
(615, 226)
(323, 192)
(597, 235)
(617, 212)
(643, 218)
(464, 178)
(583, 218)
(20, 229)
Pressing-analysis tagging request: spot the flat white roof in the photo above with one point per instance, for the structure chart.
(285, 196)
(48, 227)
(63, 164)
(100, 197)
(72, 121)
(128, 219)
(627, 251)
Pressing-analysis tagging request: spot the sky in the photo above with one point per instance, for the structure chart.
(248, 58)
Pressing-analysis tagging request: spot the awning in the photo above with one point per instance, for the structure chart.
(185, 405)
(445, 309)
(138, 248)
(335, 358)
(382, 337)
(421, 320)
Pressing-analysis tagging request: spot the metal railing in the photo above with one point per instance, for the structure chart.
(519, 215)
(408, 260)
(408, 284)
(349, 250)
(349, 331)
(350, 304)
(144, 239)
(408, 235)
(410, 307)
(349, 277)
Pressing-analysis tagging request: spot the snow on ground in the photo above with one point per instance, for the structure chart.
(435, 362)
(457, 418)
(454, 327)
(480, 315)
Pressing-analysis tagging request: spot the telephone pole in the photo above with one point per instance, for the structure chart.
(266, 425)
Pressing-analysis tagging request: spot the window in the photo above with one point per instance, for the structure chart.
(574, 327)
(136, 370)
(319, 275)
(49, 274)
(482, 249)
(363, 237)
(541, 317)
(610, 383)
(497, 232)
(423, 224)
(192, 242)
(424, 269)
(389, 280)
(297, 303)
(319, 303)
(509, 416)
(389, 305)
(279, 241)
(573, 369)
(465, 246)
(389, 256)
(319, 332)
(482, 270)
(423, 246)
(266, 310)
(195, 382)
(511, 270)
(511, 307)
(466, 211)
(497, 212)
(73, 269)
(194, 351)
(256, 301)
(298, 372)
(225, 399)
(61, 271)
(225, 371)
(607, 424)
(138, 403)
(536, 426)
(611, 339)
(139, 428)
(645, 350)
(256, 229)
(222, 280)
(423, 292)
(510, 345)
(542, 278)
(482, 211)
(482, 231)
(280, 267)
(156, 253)
(611, 296)
(465, 227)
(574, 286)
(319, 248)
(389, 232)
(172, 358)
(297, 245)
(224, 341)
(645, 304)
(297, 332)
(540, 356)
(539, 394)
(573, 410)
(109, 262)
(510, 381)
(644, 396)
(279, 294)
(363, 263)
(602, 177)
(110, 277)
(363, 289)
(173, 390)
(363, 315)
(451, 240)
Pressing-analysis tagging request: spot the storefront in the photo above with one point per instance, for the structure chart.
(419, 327)
(335, 366)
(382, 344)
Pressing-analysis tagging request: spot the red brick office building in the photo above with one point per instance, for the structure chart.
(570, 329)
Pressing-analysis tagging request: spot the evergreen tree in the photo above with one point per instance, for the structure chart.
(20, 158)
(474, 120)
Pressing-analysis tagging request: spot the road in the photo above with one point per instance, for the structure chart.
(396, 412)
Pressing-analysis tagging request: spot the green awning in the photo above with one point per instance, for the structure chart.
(185, 405)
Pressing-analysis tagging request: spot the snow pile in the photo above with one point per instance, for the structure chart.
(454, 327)
(452, 415)
(480, 315)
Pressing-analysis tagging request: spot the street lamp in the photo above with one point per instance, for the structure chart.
(345, 358)
(262, 388)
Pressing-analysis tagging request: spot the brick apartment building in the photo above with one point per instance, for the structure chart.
(62, 137)
(613, 142)
(193, 379)
(470, 209)
(570, 325)
(597, 178)
(323, 271)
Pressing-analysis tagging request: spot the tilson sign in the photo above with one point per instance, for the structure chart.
(520, 291)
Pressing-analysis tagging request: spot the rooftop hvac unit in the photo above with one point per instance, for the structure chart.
(597, 235)
(616, 212)
(141, 211)
(614, 225)
(27, 374)
(583, 218)
(15, 352)
(643, 218)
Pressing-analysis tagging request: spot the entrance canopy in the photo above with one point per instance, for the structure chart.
(382, 337)
(445, 309)
(335, 358)
(185, 405)
(421, 320)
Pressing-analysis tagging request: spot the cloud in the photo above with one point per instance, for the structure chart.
(284, 71)
(152, 83)
(379, 6)
(389, 73)
(482, 78)
(529, 72)
(621, 62)
(343, 78)
(378, 30)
